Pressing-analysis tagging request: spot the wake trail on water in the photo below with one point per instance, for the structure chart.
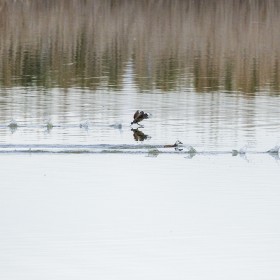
(122, 148)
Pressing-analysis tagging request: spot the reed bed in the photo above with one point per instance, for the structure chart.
(208, 45)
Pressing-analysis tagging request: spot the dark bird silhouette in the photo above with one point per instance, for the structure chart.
(176, 144)
(139, 135)
(139, 116)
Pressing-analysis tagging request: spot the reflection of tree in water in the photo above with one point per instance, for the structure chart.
(139, 135)
(164, 46)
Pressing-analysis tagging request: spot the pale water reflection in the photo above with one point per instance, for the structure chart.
(134, 216)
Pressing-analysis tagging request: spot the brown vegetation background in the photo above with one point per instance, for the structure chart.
(208, 45)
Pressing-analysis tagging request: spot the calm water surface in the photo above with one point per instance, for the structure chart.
(72, 74)
(97, 216)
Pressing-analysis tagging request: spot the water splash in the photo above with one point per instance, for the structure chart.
(241, 151)
(84, 125)
(13, 125)
(153, 152)
(116, 125)
(191, 149)
(48, 125)
(190, 155)
(274, 150)
(148, 149)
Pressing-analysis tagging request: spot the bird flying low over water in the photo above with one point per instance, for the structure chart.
(176, 144)
(139, 116)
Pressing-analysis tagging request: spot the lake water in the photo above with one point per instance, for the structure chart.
(84, 194)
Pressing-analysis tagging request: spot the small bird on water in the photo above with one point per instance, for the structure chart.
(139, 116)
(176, 144)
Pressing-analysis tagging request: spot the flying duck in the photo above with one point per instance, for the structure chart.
(176, 144)
(139, 116)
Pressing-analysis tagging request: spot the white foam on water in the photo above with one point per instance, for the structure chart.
(124, 148)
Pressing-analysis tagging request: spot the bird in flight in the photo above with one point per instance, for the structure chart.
(176, 144)
(139, 116)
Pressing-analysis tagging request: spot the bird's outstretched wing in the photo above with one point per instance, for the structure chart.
(136, 115)
(144, 115)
